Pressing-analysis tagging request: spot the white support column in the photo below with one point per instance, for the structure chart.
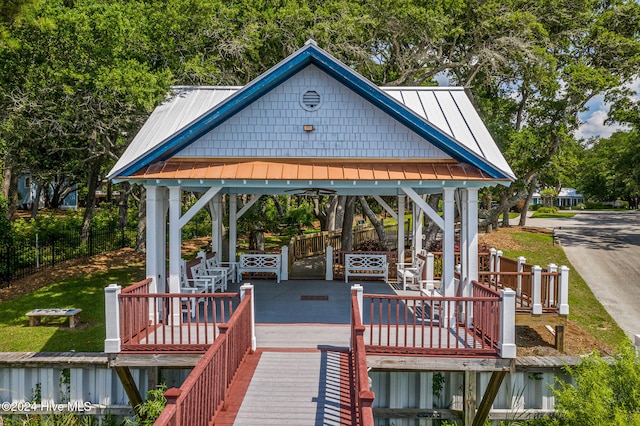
(359, 292)
(154, 215)
(563, 291)
(216, 225)
(552, 268)
(492, 259)
(448, 255)
(112, 316)
(472, 235)
(328, 274)
(507, 342)
(243, 291)
(175, 244)
(429, 268)
(233, 226)
(464, 243)
(284, 262)
(537, 290)
(401, 199)
(520, 265)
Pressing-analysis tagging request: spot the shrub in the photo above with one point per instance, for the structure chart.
(371, 245)
(548, 210)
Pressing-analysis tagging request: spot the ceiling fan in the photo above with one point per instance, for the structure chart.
(312, 192)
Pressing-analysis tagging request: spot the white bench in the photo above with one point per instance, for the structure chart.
(259, 262)
(365, 265)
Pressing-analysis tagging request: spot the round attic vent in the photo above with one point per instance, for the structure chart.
(311, 100)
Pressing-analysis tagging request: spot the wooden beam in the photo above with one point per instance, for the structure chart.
(155, 360)
(416, 413)
(540, 320)
(130, 386)
(424, 363)
(488, 397)
(560, 338)
(469, 397)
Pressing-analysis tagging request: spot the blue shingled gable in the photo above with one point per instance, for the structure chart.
(310, 54)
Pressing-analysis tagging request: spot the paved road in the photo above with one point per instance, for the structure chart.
(604, 248)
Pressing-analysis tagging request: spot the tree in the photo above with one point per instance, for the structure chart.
(603, 391)
(79, 85)
(610, 168)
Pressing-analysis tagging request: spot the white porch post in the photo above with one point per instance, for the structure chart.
(284, 263)
(563, 291)
(244, 288)
(448, 255)
(465, 283)
(155, 267)
(470, 195)
(216, 225)
(401, 199)
(507, 342)
(175, 243)
(112, 315)
(233, 226)
(328, 273)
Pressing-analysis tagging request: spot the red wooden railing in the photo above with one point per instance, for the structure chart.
(522, 283)
(434, 325)
(171, 322)
(204, 392)
(363, 398)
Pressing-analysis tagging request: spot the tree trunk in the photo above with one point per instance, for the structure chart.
(10, 188)
(92, 186)
(527, 203)
(346, 239)
(141, 235)
(374, 220)
(36, 202)
(431, 230)
(123, 205)
(340, 208)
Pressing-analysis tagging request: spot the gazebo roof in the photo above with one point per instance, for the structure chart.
(402, 133)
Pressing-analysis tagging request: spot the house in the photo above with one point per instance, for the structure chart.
(27, 189)
(312, 123)
(567, 198)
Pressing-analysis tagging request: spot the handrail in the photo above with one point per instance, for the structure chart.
(205, 390)
(434, 325)
(147, 319)
(363, 395)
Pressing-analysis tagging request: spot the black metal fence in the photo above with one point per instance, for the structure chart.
(27, 256)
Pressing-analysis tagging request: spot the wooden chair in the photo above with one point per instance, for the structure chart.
(411, 272)
(212, 266)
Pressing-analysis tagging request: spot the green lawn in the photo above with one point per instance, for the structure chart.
(87, 293)
(584, 308)
(553, 215)
(84, 292)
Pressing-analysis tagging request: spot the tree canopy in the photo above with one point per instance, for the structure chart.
(79, 77)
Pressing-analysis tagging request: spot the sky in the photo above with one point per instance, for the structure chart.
(593, 119)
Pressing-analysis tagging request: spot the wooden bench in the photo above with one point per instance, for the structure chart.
(259, 262)
(366, 265)
(36, 315)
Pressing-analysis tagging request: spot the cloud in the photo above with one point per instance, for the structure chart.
(593, 119)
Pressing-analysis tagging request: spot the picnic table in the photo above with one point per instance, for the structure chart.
(35, 315)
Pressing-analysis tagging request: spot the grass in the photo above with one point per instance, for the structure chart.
(87, 292)
(584, 307)
(54, 335)
(556, 215)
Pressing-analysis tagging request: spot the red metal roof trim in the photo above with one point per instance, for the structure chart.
(309, 170)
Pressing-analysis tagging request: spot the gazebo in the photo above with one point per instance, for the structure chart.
(311, 122)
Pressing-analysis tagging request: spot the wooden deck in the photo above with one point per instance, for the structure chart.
(293, 387)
